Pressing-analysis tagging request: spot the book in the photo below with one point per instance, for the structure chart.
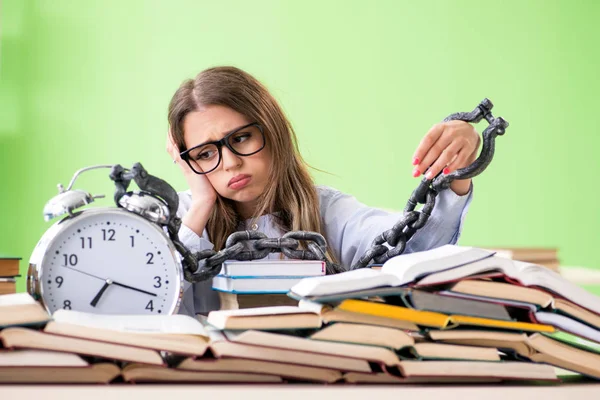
(506, 370)
(265, 318)
(39, 358)
(156, 325)
(8, 286)
(176, 334)
(421, 300)
(245, 300)
(567, 324)
(23, 338)
(254, 285)
(151, 373)
(378, 355)
(381, 336)
(575, 341)
(528, 254)
(386, 378)
(287, 371)
(41, 366)
(223, 348)
(436, 320)
(92, 373)
(519, 273)
(331, 314)
(272, 268)
(20, 309)
(537, 347)
(402, 343)
(397, 271)
(9, 266)
(498, 292)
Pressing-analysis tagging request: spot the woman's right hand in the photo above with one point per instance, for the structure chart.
(202, 190)
(204, 194)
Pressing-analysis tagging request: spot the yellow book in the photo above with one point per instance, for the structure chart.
(433, 319)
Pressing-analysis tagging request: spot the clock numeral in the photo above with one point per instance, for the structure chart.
(70, 259)
(59, 280)
(150, 306)
(89, 241)
(108, 234)
(158, 282)
(150, 258)
(67, 305)
(132, 241)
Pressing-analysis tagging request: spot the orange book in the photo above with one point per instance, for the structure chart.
(433, 319)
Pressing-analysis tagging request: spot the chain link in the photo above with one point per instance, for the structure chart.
(392, 242)
(254, 245)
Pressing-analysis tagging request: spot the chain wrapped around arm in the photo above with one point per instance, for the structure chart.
(427, 191)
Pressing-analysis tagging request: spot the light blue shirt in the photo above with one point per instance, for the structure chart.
(349, 227)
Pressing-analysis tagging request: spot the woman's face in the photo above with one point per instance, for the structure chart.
(239, 178)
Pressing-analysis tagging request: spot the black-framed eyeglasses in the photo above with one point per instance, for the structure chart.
(243, 141)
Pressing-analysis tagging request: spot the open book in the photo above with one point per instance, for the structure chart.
(178, 334)
(536, 347)
(397, 271)
(402, 343)
(519, 273)
(21, 309)
(41, 366)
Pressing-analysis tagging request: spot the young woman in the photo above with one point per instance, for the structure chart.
(239, 155)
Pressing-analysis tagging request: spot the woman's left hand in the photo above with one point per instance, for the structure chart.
(447, 146)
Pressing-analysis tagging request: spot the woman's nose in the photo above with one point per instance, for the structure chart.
(230, 160)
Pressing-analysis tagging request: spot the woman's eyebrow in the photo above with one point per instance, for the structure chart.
(223, 135)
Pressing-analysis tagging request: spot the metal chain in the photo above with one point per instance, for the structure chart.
(242, 246)
(392, 242)
(254, 245)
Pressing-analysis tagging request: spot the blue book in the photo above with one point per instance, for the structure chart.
(254, 285)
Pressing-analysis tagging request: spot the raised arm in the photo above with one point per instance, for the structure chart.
(350, 226)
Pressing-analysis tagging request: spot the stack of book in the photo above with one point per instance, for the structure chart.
(9, 271)
(545, 256)
(248, 284)
(453, 314)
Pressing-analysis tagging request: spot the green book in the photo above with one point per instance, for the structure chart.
(575, 341)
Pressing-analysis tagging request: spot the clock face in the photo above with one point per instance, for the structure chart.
(110, 261)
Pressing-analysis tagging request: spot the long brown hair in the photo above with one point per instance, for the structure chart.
(291, 192)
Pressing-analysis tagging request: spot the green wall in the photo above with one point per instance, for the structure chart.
(88, 82)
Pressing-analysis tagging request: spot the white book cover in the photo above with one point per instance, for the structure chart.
(397, 271)
(152, 324)
(273, 268)
(16, 299)
(253, 285)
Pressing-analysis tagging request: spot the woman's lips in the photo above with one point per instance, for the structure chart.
(239, 182)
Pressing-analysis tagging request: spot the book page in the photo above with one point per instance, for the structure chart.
(358, 279)
(15, 299)
(153, 324)
(410, 267)
(251, 312)
(488, 264)
(568, 325)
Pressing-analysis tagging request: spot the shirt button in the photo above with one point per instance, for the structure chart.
(254, 227)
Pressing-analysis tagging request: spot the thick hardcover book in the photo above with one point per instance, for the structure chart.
(273, 268)
(9, 266)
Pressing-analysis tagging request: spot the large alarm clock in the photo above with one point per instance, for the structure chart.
(109, 260)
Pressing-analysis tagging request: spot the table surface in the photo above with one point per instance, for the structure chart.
(580, 390)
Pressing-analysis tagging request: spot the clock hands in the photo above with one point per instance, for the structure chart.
(107, 283)
(136, 289)
(101, 292)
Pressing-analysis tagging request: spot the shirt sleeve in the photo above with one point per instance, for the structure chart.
(350, 226)
(197, 297)
(188, 237)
